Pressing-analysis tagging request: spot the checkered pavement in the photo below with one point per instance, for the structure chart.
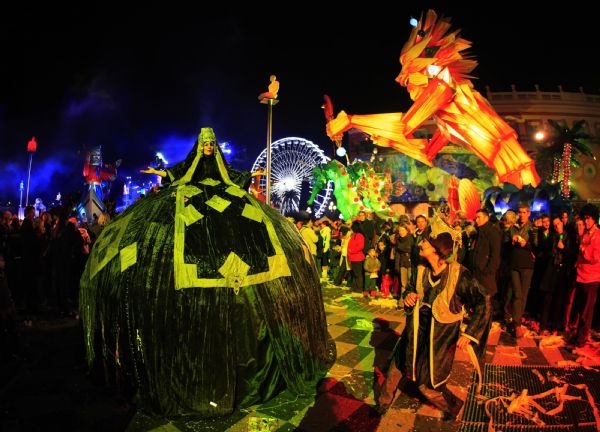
(363, 333)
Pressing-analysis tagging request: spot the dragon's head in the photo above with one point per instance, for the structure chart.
(433, 51)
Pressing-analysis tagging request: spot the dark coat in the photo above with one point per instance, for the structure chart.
(543, 249)
(430, 361)
(560, 264)
(522, 257)
(403, 250)
(367, 228)
(484, 259)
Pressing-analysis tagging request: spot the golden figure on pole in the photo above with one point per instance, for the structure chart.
(269, 98)
(272, 92)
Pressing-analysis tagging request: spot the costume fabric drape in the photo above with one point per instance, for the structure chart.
(201, 299)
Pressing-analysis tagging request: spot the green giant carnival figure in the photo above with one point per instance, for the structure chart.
(200, 297)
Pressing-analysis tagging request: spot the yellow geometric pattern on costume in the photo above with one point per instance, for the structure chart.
(235, 191)
(107, 246)
(234, 269)
(128, 256)
(252, 213)
(218, 203)
(190, 215)
(210, 182)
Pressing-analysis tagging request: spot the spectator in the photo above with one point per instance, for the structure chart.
(588, 274)
(556, 276)
(356, 257)
(402, 264)
(372, 266)
(521, 267)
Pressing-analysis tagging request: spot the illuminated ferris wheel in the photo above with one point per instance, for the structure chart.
(292, 162)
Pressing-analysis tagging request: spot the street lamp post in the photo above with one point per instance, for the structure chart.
(31, 148)
(269, 98)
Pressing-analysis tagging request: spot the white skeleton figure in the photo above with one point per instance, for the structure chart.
(525, 405)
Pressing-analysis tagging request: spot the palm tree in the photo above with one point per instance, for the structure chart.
(570, 143)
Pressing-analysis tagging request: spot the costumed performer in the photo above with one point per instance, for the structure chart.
(202, 299)
(425, 351)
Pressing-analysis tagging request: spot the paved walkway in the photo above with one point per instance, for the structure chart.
(49, 387)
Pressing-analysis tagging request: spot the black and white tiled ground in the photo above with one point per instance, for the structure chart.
(364, 332)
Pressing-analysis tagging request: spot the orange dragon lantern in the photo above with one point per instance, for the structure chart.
(435, 71)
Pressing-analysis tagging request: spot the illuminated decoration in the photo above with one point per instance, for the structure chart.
(462, 114)
(545, 198)
(500, 207)
(413, 182)
(498, 199)
(31, 148)
(540, 206)
(555, 169)
(463, 196)
(572, 143)
(337, 139)
(32, 145)
(356, 188)
(566, 184)
(98, 177)
(292, 163)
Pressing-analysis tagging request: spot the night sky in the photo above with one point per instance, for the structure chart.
(146, 80)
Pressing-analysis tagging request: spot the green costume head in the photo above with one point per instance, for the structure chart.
(207, 134)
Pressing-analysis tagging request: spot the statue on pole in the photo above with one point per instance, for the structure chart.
(269, 98)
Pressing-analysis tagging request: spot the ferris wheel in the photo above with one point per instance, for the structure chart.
(292, 162)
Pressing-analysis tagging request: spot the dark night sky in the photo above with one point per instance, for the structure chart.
(140, 81)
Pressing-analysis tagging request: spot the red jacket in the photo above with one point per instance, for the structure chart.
(588, 261)
(355, 247)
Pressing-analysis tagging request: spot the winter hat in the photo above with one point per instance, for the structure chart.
(443, 244)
